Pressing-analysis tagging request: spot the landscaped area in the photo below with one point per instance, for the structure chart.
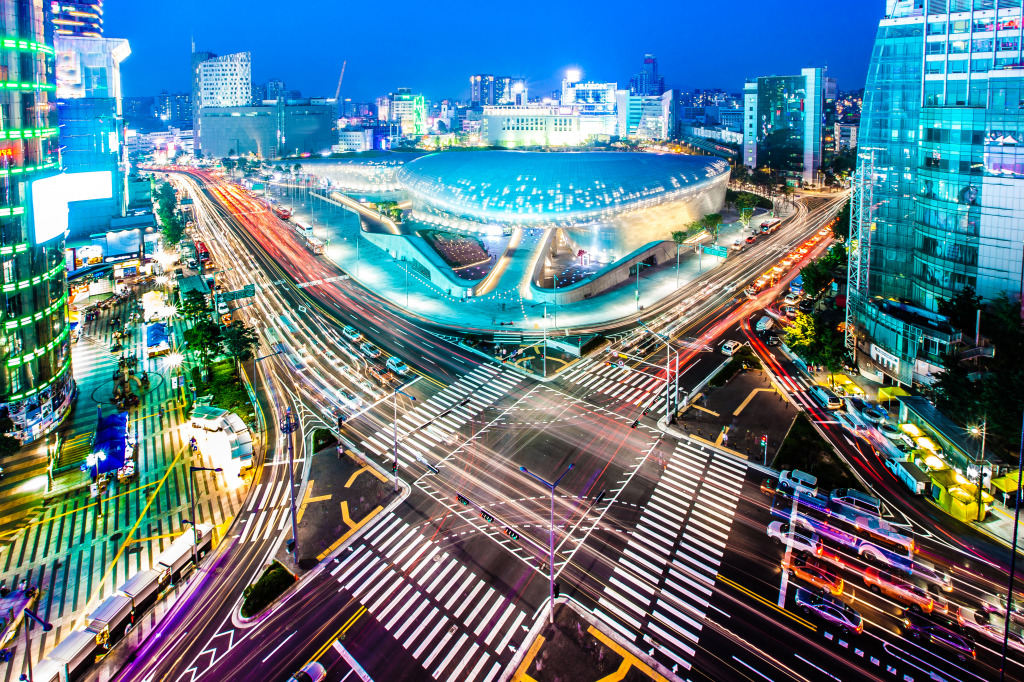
(806, 450)
(271, 585)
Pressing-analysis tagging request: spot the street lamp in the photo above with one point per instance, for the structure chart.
(192, 504)
(974, 431)
(668, 366)
(394, 402)
(288, 427)
(551, 534)
(1013, 556)
(31, 616)
(639, 266)
(545, 304)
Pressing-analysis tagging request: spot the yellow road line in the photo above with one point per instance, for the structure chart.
(704, 409)
(93, 504)
(354, 527)
(628, 660)
(749, 398)
(720, 447)
(764, 601)
(342, 630)
(521, 675)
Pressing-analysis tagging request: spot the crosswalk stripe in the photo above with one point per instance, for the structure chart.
(447, 659)
(428, 641)
(465, 602)
(408, 621)
(510, 632)
(484, 658)
(411, 639)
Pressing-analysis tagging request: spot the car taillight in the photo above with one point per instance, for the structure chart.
(860, 627)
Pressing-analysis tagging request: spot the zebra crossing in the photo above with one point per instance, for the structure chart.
(661, 589)
(270, 515)
(620, 383)
(447, 411)
(452, 622)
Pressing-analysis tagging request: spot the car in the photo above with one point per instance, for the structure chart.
(737, 245)
(768, 338)
(368, 387)
(396, 365)
(369, 350)
(930, 573)
(880, 528)
(942, 632)
(855, 501)
(350, 399)
(812, 572)
(806, 306)
(802, 250)
(800, 481)
(903, 591)
(383, 376)
(311, 672)
(802, 540)
(788, 311)
(791, 298)
(994, 635)
(750, 292)
(768, 487)
(823, 232)
(997, 604)
(730, 347)
(222, 308)
(830, 609)
(225, 319)
(351, 333)
(751, 239)
(786, 262)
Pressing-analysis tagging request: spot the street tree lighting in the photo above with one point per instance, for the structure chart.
(551, 534)
(192, 504)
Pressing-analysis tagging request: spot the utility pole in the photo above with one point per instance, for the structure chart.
(288, 427)
(551, 535)
(394, 403)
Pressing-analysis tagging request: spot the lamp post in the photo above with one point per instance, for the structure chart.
(30, 617)
(639, 265)
(288, 427)
(551, 534)
(192, 505)
(668, 366)
(394, 403)
(1013, 556)
(974, 431)
(545, 304)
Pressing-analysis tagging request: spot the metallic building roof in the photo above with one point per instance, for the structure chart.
(506, 184)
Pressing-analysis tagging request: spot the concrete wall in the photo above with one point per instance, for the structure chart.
(416, 249)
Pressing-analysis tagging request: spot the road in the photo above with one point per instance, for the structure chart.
(663, 538)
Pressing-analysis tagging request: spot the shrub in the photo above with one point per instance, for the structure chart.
(271, 585)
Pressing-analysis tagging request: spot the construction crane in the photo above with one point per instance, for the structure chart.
(337, 92)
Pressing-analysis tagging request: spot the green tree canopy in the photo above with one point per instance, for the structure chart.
(841, 227)
(962, 309)
(712, 222)
(194, 305)
(240, 342)
(204, 337)
(816, 340)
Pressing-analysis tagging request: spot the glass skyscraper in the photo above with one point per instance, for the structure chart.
(36, 386)
(938, 175)
(78, 17)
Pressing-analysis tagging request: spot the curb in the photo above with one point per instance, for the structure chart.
(240, 621)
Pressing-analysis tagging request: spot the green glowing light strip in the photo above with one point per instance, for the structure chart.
(25, 133)
(13, 248)
(19, 85)
(13, 44)
(42, 350)
(26, 283)
(29, 319)
(37, 389)
(26, 169)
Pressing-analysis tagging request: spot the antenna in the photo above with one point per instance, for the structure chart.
(338, 91)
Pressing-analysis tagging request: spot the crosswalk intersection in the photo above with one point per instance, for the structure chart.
(452, 622)
(660, 591)
(620, 383)
(269, 515)
(470, 395)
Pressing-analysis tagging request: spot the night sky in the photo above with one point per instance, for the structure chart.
(433, 47)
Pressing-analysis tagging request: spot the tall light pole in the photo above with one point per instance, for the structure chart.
(192, 505)
(551, 534)
(1013, 556)
(974, 431)
(668, 366)
(639, 265)
(394, 403)
(288, 427)
(31, 616)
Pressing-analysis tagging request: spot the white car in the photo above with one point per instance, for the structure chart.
(222, 308)
(730, 347)
(799, 481)
(369, 350)
(351, 333)
(791, 298)
(396, 365)
(803, 539)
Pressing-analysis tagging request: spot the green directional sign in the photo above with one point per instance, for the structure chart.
(248, 291)
(719, 251)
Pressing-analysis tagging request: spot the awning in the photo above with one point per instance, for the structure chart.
(928, 444)
(911, 430)
(841, 379)
(1008, 483)
(890, 392)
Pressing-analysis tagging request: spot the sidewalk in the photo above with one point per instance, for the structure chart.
(377, 270)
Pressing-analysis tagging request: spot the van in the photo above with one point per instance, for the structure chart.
(799, 481)
(856, 501)
(764, 324)
(826, 398)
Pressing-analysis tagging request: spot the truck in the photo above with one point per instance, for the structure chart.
(70, 659)
(911, 475)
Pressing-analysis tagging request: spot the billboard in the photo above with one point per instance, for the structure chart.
(51, 196)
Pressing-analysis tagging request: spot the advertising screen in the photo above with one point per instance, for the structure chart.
(51, 196)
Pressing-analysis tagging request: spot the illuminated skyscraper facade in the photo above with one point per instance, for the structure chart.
(36, 385)
(940, 174)
(78, 17)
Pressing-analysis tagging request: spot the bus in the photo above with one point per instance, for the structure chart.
(204, 253)
(770, 225)
(283, 212)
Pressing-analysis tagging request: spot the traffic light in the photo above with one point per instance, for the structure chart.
(341, 421)
(486, 517)
(511, 533)
(647, 411)
(764, 441)
(462, 500)
(558, 590)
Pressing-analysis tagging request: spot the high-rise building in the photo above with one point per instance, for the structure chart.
(594, 102)
(940, 171)
(785, 123)
(78, 18)
(226, 81)
(646, 117)
(488, 90)
(647, 82)
(173, 107)
(36, 384)
(409, 111)
(196, 60)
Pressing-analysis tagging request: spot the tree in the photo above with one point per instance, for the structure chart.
(712, 222)
(741, 174)
(297, 168)
(204, 337)
(194, 305)
(679, 236)
(240, 342)
(962, 309)
(841, 226)
(816, 276)
(816, 340)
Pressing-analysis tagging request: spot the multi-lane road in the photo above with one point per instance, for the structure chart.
(663, 538)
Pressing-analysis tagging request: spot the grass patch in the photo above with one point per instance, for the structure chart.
(271, 585)
(744, 358)
(322, 438)
(805, 449)
(227, 391)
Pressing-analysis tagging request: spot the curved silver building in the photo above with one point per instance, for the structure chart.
(608, 203)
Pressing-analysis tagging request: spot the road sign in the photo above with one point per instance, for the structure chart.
(719, 251)
(248, 291)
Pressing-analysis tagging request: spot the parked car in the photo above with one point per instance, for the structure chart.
(730, 347)
(803, 540)
(942, 632)
(369, 350)
(903, 591)
(791, 297)
(351, 333)
(813, 572)
(222, 308)
(830, 609)
(806, 306)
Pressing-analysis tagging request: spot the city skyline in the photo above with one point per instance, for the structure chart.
(435, 66)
